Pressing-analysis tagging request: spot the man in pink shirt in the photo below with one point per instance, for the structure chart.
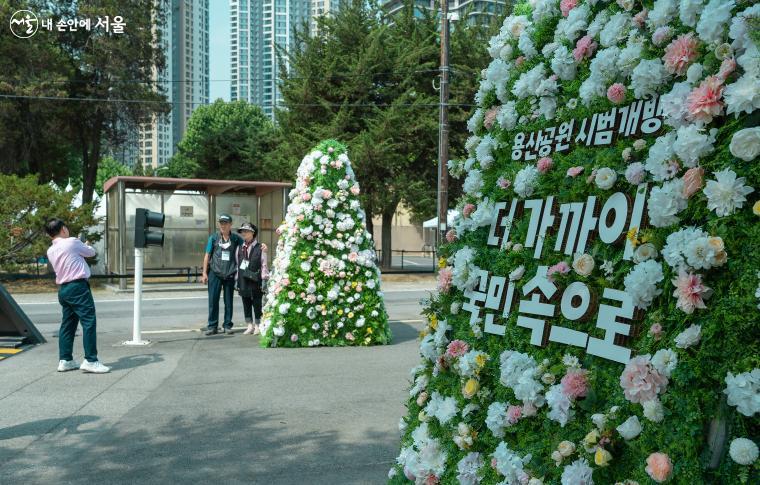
(72, 272)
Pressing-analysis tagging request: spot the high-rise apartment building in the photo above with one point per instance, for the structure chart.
(321, 8)
(185, 40)
(260, 30)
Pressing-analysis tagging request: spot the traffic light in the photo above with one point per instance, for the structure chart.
(144, 220)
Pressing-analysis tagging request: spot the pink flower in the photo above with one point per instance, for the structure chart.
(584, 48)
(529, 409)
(519, 61)
(640, 18)
(692, 181)
(490, 117)
(661, 35)
(544, 164)
(575, 383)
(513, 414)
(726, 68)
(659, 467)
(353, 256)
(294, 338)
(306, 197)
(704, 101)
(409, 475)
(574, 171)
(451, 235)
(690, 292)
(355, 190)
(656, 331)
(350, 336)
(457, 348)
(640, 381)
(503, 183)
(326, 193)
(680, 53)
(430, 480)
(566, 5)
(561, 268)
(616, 93)
(468, 209)
(444, 279)
(422, 398)
(591, 177)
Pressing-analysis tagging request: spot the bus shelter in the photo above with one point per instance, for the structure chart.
(191, 207)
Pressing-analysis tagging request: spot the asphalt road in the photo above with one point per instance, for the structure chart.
(195, 409)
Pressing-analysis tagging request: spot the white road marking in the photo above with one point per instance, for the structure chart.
(406, 261)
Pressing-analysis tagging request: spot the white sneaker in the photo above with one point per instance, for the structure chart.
(94, 367)
(67, 365)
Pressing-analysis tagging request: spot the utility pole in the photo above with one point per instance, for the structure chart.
(443, 128)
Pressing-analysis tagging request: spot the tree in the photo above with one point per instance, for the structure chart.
(226, 140)
(364, 79)
(26, 206)
(109, 167)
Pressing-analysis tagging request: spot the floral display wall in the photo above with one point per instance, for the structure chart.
(598, 306)
(325, 285)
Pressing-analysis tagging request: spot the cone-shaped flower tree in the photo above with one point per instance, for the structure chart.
(325, 285)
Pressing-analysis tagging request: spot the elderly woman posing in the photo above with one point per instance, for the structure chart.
(252, 275)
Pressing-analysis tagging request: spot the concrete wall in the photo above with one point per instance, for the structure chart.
(404, 234)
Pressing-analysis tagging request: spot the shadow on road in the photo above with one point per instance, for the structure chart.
(44, 426)
(245, 447)
(132, 361)
(403, 332)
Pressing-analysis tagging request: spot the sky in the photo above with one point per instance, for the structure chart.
(219, 49)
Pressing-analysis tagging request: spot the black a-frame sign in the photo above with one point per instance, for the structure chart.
(14, 322)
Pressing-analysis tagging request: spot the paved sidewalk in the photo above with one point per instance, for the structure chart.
(194, 409)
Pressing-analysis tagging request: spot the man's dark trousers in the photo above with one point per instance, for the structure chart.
(78, 306)
(215, 287)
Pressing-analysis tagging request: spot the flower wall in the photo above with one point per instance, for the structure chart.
(598, 307)
(325, 286)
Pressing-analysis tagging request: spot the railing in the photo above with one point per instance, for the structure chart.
(404, 261)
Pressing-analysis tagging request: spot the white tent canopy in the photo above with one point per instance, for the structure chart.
(432, 223)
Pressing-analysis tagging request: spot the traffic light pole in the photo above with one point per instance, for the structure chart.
(137, 323)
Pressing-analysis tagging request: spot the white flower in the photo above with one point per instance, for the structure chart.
(660, 154)
(525, 44)
(526, 181)
(575, 23)
(467, 365)
(559, 405)
(583, 264)
(528, 82)
(641, 283)
(596, 25)
(443, 409)
(455, 307)
(743, 451)
(647, 77)
(662, 13)
(688, 11)
(713, 21)
(510, 464)
(629, 58)
(569, 360)
(743, 391)
(547, 106)
(615, 30)
(563, 63)
(630, 428)
(644, 252)
(468, 467)
(517, 273)
(674, 106)
(484, 151)
(519, 372)
(476, 120)
(497, 75)
(605, 178)
(599, 420)
(473, 184)
(726, 193)
(507, 117)
(694, 73)
(693, 143)
(465, 273)
(689, 337)
(653, 410)
(544, 9)
(676, 244)
(496, 418)
(665, 203)
(738, 30)
(608, 267)
(578, 473)
(743, 96)
(665, 361)
(745, 144)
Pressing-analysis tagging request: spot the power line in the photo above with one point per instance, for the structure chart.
(148, 101)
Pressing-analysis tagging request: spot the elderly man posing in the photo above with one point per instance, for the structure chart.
(219, 270)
